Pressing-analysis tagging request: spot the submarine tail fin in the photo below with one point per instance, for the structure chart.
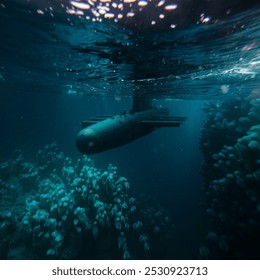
(163, 121)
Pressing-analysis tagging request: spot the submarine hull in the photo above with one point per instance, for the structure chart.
(113, 132)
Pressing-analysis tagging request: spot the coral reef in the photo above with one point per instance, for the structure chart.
(230, 142)
(55, 208)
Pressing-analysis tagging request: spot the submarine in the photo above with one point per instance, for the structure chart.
(102, 133)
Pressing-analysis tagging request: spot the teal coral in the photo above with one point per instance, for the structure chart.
(69, 210)
(230, 143)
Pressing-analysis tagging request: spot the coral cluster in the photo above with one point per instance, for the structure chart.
(55, 208)
(230, 142)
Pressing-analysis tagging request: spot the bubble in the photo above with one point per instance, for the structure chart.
(170, 7)
(80, 5)
(224, 89)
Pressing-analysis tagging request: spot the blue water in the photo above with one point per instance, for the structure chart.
(58, 69)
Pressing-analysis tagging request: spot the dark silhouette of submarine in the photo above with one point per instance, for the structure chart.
(103, 133)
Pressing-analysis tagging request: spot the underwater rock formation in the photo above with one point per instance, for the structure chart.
(54, 208)
(230, 142)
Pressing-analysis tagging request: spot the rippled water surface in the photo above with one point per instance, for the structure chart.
(200, 60)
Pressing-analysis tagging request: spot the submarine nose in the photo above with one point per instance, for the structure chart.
(88, 141)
